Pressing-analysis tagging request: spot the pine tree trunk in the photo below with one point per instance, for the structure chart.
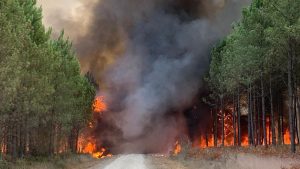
(295, 109)
(290, 100)
(9, 135)
(272, 114)
(222, 115)
(296, 128)
(25, 136)
(254, 112)
(280, 120)
(206, 137)
(251, 115)
(298, 120)
(279, 131)
(216, 127)
(200, 139)
(239, 118)
(263, 109)
(258, 123)
(298, 117)
(21, 138)
(250, 141)
(14, 143)
(269, 126)
(76, 141)
(234, 120)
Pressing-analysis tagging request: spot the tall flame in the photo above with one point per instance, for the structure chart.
(88, 145)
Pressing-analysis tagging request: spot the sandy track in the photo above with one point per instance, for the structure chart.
(132, 161)
(239, 161)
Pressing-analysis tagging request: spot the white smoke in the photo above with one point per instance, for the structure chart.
(73, 16)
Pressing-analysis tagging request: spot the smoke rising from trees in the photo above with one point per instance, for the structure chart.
(149, 58)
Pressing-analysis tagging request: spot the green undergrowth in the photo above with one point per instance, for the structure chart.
(70, 161)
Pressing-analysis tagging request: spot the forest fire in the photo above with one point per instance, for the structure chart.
(101, 154)
(99, 105)
(204, 140)
(149, 77)
(231, 134)
(89, 145)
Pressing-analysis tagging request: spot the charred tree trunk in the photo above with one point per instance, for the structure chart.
(222, 116)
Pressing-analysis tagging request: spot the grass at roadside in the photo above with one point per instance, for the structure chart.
(273, 157)
(58, 162)
(216, 152)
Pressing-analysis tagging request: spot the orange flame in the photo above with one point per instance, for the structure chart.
(101, 154)
(177, 148)
(91, 148)
(87, 145)
(99, 105)
(286, 137)
(208, 141)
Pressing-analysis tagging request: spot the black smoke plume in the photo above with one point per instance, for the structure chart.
(149, 58)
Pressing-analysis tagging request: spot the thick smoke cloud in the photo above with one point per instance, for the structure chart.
(149, 57)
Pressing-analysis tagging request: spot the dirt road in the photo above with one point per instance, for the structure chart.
(240, 161)
(138, 161)
(132, 161)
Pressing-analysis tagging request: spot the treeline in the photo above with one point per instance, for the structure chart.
(257, 68)
(44, 101)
